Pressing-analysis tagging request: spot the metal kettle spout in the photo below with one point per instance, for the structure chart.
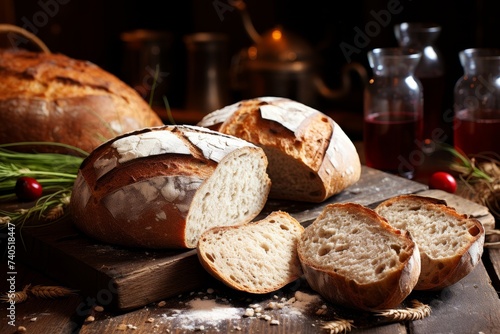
(247, 21)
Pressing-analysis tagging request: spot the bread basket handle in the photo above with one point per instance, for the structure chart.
(9, 28)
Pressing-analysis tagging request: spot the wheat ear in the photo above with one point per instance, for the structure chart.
(50, 291)
(17, 297)
(416, 312)
(338, 326)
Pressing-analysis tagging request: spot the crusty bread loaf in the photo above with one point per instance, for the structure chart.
(450, 244)
(53, 98)
(162, 187)
(257, 257)
(310, 157)
(354, 258)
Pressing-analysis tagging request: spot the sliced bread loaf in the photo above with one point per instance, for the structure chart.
(257, 257)
(450, 244)
(162, 187)
(354, 258)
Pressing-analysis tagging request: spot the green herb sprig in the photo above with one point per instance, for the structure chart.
(54, 171)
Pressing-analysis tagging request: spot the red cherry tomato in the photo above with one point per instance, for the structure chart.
(443, 181)
(28, 189)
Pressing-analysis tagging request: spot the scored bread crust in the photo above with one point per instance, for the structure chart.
(345, 286)
(54, 98)
(261, 257)
(437, 271)
(310, 157)
(155, 187)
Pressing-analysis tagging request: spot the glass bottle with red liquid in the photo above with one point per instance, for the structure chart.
(422, 36)
(393, 111)
(477, 103)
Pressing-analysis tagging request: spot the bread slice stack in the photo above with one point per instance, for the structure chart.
(450, 244)
(352, 257)
(257, 257)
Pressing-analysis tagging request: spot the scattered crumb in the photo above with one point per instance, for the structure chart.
(237, 328)
(249, 312)
(272, 305)
(130, 326)
(267, 317)
(98, 308)
(89, 319)
(200, 328)
(121, 327)
(150, 320)
(33, 319)
(210, 291)
(162, 303)
(275, 322)
(21, 329)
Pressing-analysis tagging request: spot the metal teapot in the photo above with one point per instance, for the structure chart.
(280, 63)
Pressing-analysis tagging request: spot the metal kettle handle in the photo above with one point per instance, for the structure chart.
(345, 88)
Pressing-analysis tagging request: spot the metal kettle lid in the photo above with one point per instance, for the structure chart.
(278, 49)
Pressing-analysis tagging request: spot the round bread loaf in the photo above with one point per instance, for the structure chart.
(53, 98)
(310, 157)
(162, 187)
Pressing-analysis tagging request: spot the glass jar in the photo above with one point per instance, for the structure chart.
(477, 102)
(207, 72)
(421, 37)
(393, 106)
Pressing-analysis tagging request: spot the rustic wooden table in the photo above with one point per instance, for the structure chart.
(199, 303)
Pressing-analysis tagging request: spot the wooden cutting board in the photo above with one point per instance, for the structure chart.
(125, 279)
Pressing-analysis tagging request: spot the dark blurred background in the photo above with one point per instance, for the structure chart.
(91, 30)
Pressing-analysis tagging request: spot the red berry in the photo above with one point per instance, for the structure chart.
(28, 189)
(443, 181)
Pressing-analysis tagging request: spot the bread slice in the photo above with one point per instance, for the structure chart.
(163, 187)
(450, 244)
(354, 258)
(258, 257)
(310, 157)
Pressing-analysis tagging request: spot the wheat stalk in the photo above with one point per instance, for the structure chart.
(17, 297)
(418, 311)
(54, 213)
(40, 291)
(339, 326)
(50, 291)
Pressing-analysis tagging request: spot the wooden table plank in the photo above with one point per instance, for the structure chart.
(469, 306)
